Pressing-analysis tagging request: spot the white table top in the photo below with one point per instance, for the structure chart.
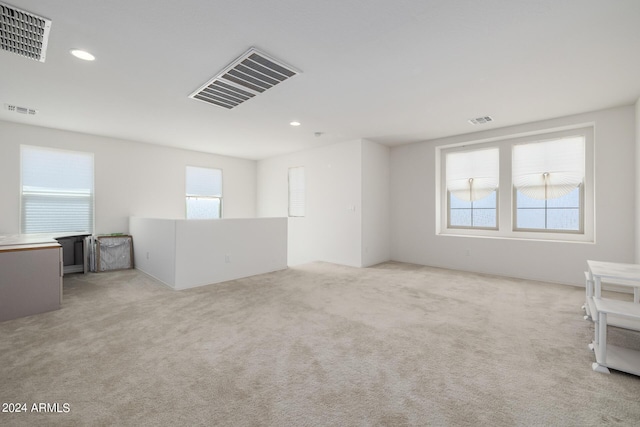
(619, 308)
(32, 239)
(615, 270)
(28, 247)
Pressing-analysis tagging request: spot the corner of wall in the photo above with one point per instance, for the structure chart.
(637, 183)
(375, 240)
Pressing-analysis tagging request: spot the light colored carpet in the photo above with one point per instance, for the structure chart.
(316, 345)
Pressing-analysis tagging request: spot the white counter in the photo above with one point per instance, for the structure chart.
(33, 239)
(30, 278)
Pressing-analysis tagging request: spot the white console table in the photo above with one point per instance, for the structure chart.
(605, 312)
(610, 356)
(615, 273)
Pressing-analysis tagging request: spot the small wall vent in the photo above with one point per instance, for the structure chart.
(251, 74)
(21, 110)
(23, 33)
(480, 120)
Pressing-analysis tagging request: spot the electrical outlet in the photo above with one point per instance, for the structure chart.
(227, 258)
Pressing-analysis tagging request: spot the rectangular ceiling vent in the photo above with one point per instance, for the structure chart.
(251, 74)
(21, 110)
(480, 120)
(23, 33)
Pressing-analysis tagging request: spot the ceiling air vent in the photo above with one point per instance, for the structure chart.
(249, 75)
(21, 110)
(480, 120)
(23, 33)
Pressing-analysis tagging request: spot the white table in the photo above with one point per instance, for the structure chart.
(610, 356)
(615, 273)
(30, 279)
(605, 312)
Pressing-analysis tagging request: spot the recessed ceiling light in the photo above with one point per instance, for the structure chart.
(295, 123)
(82, 54)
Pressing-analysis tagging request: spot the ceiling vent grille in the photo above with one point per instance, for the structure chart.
(480, 120)
(251, 74)
(21, 110)
(23, 33)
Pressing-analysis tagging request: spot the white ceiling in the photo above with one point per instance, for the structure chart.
(389, 71)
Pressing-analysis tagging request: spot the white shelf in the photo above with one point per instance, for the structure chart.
(619, 313)
(622, 274)
(615, 319)
(617, 308)
(620, 359)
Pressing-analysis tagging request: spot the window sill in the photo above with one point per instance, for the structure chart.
(520, 236)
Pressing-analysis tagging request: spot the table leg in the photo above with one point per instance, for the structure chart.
(588, 286)
(602, 336)
(601, 344)
(596, 333)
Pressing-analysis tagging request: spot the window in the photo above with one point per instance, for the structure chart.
(547, 181)
(296, 191)
(472, 182)
(204, 193)
(538, 186)
(57, 190)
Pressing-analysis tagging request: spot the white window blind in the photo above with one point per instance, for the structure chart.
(472, 175)
(550, 169)
(296, 191)
(57, 190)
(204, 193)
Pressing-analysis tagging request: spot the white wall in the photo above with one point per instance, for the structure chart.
(413, 215)
(637, 180)
(154, 247)
(131, 179)
(376, 239)
(347, 203)
(330, 230)
(189, 253)
(215, 251)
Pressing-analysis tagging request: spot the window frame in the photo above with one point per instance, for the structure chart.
(472, 227)
(580, 229)
(289, 192)
(507, 193)
(205, 197)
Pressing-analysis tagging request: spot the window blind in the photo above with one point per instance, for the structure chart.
(204, 182)
(549, 169)
(57, 190)
(472, 175)
(296, 191)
